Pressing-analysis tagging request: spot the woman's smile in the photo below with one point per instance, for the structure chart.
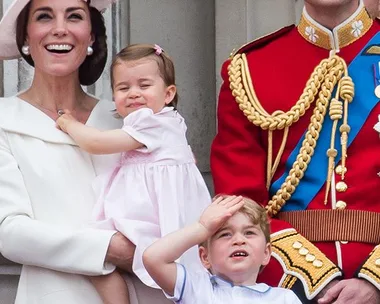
(58, 35)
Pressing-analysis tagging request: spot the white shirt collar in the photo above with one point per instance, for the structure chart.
(218, 281)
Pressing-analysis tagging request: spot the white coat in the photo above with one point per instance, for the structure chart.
(46, 200)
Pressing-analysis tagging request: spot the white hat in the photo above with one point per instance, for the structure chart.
(8, 45)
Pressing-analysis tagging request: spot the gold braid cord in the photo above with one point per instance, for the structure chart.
(318, 88)
(346, 92)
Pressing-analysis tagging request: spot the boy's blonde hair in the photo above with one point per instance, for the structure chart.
(138, 51)
(256, 213)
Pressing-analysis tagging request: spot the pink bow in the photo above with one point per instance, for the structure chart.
(158, 49)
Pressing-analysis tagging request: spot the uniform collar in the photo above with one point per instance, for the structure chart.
(18, 116)
(218, 281)
(344, 34)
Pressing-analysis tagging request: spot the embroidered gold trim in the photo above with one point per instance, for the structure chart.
(346, 34)
(373, 50)
(371, 268)
(314, 34)
(289, 282)
(313, 272)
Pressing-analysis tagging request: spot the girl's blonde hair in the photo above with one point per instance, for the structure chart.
(138, 51)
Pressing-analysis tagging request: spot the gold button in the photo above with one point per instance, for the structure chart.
(377, 263)
(341, 186)
(317, 263)
(297, 245)
(303, 251)
(310, 258)
(340, 205)
(339, 170)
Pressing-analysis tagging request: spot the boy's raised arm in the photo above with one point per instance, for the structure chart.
(159, 257)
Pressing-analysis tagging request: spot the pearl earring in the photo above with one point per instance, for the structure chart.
(90, 51)
(25, 50)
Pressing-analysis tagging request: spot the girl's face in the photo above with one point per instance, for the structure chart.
(58, 34)
(138, 84)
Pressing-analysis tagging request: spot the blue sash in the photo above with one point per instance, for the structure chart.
(361, 72)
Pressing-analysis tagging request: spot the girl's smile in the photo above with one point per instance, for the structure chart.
(139, 84)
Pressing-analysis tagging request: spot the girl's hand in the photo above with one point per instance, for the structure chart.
(64, 120)
(220, 210)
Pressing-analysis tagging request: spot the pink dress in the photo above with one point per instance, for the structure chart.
(153, 190)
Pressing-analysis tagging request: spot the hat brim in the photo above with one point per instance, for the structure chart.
(8, 45)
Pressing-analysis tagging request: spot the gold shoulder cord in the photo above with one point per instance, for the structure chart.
(319, 88)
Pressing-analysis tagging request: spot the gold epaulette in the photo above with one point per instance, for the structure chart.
(371, 268)
(301, 260)
(261, 41)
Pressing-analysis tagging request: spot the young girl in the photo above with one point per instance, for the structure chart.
(156, 187)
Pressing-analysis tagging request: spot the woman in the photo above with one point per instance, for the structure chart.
(45, 179)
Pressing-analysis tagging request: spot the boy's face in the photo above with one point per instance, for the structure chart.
(236, 251)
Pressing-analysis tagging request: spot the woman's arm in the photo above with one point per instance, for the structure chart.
(95, 141)
(160, 256)
(28, 241)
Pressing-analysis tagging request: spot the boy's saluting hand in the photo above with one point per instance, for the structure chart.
(220, 210)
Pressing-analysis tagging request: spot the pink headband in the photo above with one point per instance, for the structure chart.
(158, 49)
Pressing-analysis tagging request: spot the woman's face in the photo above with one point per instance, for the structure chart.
(58, 34)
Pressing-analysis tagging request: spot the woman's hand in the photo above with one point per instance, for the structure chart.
(65, 120)
(351, 291)
(120, 252)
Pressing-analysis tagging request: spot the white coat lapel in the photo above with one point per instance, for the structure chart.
(17, 116)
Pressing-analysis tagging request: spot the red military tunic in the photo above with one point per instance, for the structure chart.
(280, 65)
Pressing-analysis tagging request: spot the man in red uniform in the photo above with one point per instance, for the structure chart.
(295, 132)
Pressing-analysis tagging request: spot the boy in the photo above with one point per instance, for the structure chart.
(235, 245)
